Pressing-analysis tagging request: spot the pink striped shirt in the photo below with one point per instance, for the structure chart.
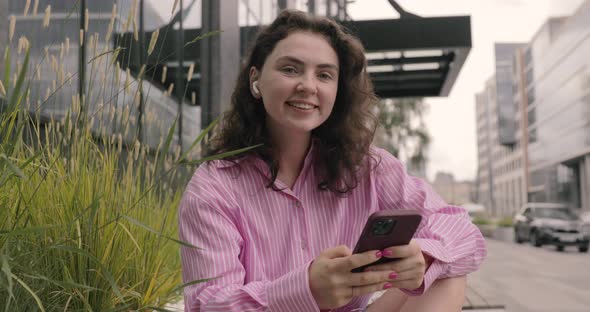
(259, 243)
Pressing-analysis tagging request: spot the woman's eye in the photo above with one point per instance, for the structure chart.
(325, 76)
(289, 70)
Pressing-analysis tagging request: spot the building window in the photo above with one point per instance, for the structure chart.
(529, 77)
(528, 57)
(532, 135)
(531, 96)
(532, 116)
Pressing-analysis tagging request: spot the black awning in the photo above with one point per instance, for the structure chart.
(418, 57)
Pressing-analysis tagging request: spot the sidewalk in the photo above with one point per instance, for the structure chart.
(476, 301)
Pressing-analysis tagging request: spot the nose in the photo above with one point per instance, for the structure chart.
(307, 85)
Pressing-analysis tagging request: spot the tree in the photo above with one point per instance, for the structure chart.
(404, 132)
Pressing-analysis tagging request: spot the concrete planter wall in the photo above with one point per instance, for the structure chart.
(505, 234)
(487, 230)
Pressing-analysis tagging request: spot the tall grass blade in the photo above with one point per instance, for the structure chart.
(7, 69)
(12, 167)
(104, 270)
(33, 294)
(8, 272)
(16, 96)
(26, 231)
(200, 137)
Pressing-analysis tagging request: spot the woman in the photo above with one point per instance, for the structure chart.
(276, 224)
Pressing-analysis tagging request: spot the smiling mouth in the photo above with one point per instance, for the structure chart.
(301, 105)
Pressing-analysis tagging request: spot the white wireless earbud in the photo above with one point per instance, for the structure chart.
(255, 88)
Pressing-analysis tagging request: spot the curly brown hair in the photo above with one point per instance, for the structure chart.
(343, 141)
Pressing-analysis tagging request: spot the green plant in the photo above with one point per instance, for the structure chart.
(505, 222)
(481, 221)
(72, 218)
(405, 134)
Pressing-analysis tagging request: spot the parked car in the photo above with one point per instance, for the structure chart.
(550, 224)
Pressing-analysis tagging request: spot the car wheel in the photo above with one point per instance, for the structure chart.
(517, 238)
(560, 247)
(535, 239)
(583, 248)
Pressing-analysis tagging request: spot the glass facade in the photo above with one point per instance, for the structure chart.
(506, 108)
(501, 175)
(257, 12)
(559, 113)
(111, 94)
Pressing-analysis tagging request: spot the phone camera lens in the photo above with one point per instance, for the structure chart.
(383, 227)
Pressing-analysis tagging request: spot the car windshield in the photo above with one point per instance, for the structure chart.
(555, 213)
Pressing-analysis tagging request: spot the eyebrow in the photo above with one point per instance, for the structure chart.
(300, 62)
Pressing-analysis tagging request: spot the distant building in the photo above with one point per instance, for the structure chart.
(556, 67)
(500, 174)
(534, 140)
(453, 192)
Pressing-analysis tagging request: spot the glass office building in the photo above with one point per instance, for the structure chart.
(500, 174)
(558, 111)
(546, 158)
(111, 94)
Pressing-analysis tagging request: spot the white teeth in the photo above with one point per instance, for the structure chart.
(301, 105)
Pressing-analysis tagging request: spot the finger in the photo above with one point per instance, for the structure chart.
(406, 276)
(369, 289)
(370, 278)
(408, 282)
(402, 251)
(336, 252)
(357, 260)
(400, 265)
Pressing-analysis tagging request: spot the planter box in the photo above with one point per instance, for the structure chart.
(487, 230)
(505, 234)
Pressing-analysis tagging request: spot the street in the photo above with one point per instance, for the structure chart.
(525, 278)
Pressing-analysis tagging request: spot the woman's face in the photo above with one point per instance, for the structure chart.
(298, 84)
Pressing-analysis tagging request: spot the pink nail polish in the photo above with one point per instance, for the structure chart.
(387, 253)
(378, 254)
(393, 275)
(386, 286)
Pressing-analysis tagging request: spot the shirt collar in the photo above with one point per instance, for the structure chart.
(262, 166)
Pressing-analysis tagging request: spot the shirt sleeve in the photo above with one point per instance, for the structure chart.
(446, 232)
(208, 219)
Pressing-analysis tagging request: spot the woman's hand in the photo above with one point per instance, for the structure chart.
(409, 267)
(333, 285)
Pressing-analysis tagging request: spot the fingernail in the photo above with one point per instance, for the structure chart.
(387, 253)
(393, 275)
(378, 254)
(386, 286)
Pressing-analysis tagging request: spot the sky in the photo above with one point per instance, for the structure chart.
(451, 120)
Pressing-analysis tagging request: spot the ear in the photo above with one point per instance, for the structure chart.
(254, 83)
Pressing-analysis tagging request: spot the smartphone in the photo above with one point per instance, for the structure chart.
(385, 229)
